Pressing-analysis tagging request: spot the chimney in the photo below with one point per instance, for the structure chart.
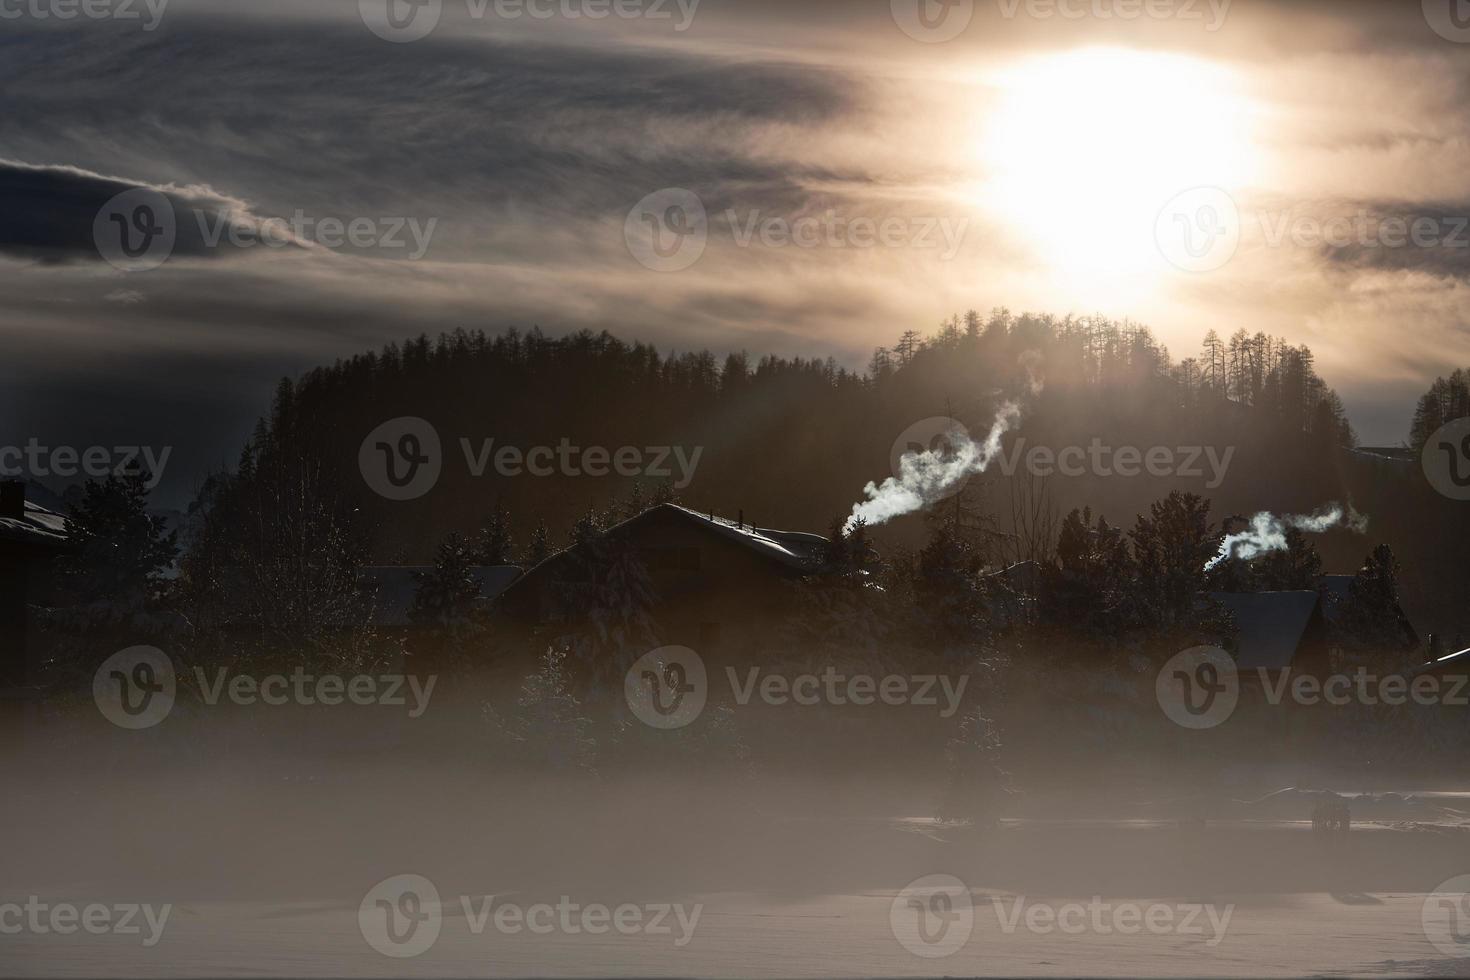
(13, 500)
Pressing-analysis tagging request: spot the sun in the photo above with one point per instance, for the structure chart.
(1081, 150)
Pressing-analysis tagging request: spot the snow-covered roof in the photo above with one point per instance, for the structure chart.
(796, 549)
(1459, 660)
(40, 527)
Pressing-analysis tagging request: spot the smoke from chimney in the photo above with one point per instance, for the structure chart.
(1267, 532)
(925, 477)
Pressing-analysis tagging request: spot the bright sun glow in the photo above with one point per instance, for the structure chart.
(1083, 149)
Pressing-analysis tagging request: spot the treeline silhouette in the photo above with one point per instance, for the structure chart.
(791, 442)
(1446, 400)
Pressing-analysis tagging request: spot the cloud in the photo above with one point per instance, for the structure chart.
(51, 212)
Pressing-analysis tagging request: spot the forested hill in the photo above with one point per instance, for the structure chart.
(792, 442)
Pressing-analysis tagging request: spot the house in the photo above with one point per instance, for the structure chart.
(31, 537)
(1295, 629)
(1278, 631)
(713, 579)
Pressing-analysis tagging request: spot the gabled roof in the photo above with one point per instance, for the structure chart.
(396, 585)
(1271, 625)
(1459, 660)
(39, 527)
(795, 549)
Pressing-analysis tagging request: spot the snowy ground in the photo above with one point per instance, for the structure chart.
(266, 868)
(764, 935)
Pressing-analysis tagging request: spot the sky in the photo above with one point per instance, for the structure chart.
(805, 178)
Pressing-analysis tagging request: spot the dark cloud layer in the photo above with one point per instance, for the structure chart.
(1429, 239)
(52, 213)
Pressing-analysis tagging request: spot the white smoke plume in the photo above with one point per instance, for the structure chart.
(925, 477)
(1267, 532)
(1032, 361)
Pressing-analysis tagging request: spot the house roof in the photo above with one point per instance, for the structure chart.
(39, 527)
(1390, 454)
(795, 549)
(1458, 660)
(396, 585)
(1271, 625)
